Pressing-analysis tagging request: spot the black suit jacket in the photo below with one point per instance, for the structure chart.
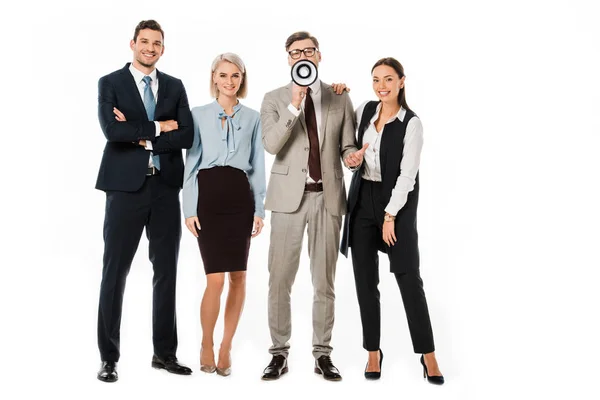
(125, 162)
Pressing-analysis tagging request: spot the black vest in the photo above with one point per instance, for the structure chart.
(405, 253)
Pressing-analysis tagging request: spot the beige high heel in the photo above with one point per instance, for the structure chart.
(227, 370)
(209, 369)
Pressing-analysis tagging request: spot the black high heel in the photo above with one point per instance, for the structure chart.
(435, 380)
(374, 375)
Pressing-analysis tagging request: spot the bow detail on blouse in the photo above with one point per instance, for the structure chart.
(228, 130)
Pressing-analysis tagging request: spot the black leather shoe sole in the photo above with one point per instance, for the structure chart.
(327, 378)
(274, 377)
(107, 379)
(158, 365)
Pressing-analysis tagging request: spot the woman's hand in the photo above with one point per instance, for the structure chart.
(356, 158)
(193, 224)
(389, 236)
(258, 225)
(339, 88)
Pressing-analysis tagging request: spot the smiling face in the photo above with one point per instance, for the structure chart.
(227, 78)
(387, 83)
(147, 48)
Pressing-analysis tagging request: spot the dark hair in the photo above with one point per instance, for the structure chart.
(148, 24)
(395, 64)
(294, 37)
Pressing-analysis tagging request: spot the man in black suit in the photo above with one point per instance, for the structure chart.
(142, 173)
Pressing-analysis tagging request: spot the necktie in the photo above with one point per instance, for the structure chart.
(314, 157)
(150, 106)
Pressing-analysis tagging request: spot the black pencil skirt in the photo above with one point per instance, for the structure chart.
(226, 215)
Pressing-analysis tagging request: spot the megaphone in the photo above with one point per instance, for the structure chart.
(304, 73)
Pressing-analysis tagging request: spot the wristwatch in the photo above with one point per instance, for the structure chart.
(389, 217)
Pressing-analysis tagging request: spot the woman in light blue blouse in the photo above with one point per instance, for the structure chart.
(223, 199)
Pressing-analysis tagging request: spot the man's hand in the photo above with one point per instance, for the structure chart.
(119, 116)
(356, 158)
(167, 126)
(298, 93)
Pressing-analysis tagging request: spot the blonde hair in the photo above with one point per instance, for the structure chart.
(235, 60)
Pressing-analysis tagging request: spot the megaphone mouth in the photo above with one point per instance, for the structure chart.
(304, 73)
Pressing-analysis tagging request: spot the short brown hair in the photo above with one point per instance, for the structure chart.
(294, 37)
(148, 24)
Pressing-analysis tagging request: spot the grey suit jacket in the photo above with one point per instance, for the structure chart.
(285, 136)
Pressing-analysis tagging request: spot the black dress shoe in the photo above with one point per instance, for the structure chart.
(276, 368)
(375, 375)
(108, 372)
(324, 366)
(436, 380)
(170, 364)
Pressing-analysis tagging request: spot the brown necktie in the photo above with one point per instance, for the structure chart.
(314, 158)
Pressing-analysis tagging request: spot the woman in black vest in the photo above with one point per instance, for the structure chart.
(382, 215)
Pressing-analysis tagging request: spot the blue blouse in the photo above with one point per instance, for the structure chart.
(237, 143)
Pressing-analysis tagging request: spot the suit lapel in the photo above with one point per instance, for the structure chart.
(163, 81)
(325, 102)
(131, 85)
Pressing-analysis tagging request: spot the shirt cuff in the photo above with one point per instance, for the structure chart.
(293, 109)
(157, 128)
(148, 145)
(391, 210)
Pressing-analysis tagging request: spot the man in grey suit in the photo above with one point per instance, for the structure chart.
(309, 130)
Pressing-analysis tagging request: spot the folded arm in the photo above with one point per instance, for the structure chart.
(119, 131)
(183, 136)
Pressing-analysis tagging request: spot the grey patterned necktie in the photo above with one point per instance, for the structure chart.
(150, 105)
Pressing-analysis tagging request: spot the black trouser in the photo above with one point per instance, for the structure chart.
(154, 206)
(366, 236)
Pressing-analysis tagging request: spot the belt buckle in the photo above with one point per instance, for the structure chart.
(151, 171)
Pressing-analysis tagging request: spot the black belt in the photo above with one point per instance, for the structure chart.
(313, 187)
(152, 171)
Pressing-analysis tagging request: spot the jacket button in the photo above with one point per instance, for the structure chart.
(304, 170)
(306, 148)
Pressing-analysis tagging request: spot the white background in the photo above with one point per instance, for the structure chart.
(508, 93)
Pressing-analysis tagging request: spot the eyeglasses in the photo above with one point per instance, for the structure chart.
(308, 52)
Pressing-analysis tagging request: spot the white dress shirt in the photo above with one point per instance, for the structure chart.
(411, 156)
(315, 89)
(138, 76)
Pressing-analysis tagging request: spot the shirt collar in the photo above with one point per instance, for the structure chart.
(400, 115)
(139, 75)
(220, 109)
(316, 87)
